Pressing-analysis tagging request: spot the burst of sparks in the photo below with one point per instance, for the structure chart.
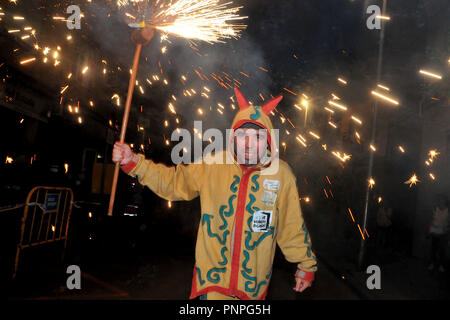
(412, 180)
(433, 154)
(204, 20)
(343, 157)
(371, 183)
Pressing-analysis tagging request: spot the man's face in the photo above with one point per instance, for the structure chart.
(250, 145)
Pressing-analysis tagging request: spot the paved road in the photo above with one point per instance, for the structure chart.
(159, 277)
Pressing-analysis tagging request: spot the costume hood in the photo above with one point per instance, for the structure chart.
(258, 115)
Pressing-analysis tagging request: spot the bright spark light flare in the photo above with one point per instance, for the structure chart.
(385, 97)
(356, 120)
(401, 149)
(412, 180)
(383, 17)
(329, 110)
(172, 108)
(301, 141)
(430, 74)
(340, 106)
(371, 183)
(383, 87)
(27, 61)
(432, 176)
(204, 20)
(343, 157)
(433, 154)
(64, 89)
(335, 97)
(314, 135)
(351, 215)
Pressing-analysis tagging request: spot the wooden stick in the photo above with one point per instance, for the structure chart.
(125, 123)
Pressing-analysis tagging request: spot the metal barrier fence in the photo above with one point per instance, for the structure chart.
(45, 219)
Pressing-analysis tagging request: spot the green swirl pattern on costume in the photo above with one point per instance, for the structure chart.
(255, 187)
(233, 187)
(248, 283)
(259, 287)
(227, 214)
(200, 276)
(244, 264)
(206, 218)
(308, 248)
(257, 242)
(257, 114)
(225, 260)
(249, 205)
(213, 274)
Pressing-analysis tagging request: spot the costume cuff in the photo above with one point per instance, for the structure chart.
(305, 275)
(130, 165)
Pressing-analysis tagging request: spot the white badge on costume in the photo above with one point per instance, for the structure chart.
(261, 220)
(269, 198)
(271, 184)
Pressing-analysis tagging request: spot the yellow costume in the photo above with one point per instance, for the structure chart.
(244, 215)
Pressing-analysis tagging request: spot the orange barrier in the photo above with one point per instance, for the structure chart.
(45, 219)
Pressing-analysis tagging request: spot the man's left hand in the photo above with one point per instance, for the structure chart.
(301, 284)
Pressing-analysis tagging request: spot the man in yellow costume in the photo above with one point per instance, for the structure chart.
(249, 204)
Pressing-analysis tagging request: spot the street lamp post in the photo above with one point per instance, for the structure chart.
(374, 126)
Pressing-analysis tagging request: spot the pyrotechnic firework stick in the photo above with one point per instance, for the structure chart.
(141, 39)
(125, 123)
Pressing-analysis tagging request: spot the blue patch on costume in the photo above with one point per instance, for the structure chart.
(257, 114)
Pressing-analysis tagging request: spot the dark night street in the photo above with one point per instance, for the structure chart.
(157, 150)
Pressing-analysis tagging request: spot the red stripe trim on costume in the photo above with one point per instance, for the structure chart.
(241, 295)
(240, 211)
(129, 166)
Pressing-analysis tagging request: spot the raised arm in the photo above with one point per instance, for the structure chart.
(181, 182)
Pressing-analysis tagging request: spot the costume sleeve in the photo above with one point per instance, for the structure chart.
(293, 237)
(181, 182)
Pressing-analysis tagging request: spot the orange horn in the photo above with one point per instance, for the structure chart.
(271, 104)
(242, 102)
